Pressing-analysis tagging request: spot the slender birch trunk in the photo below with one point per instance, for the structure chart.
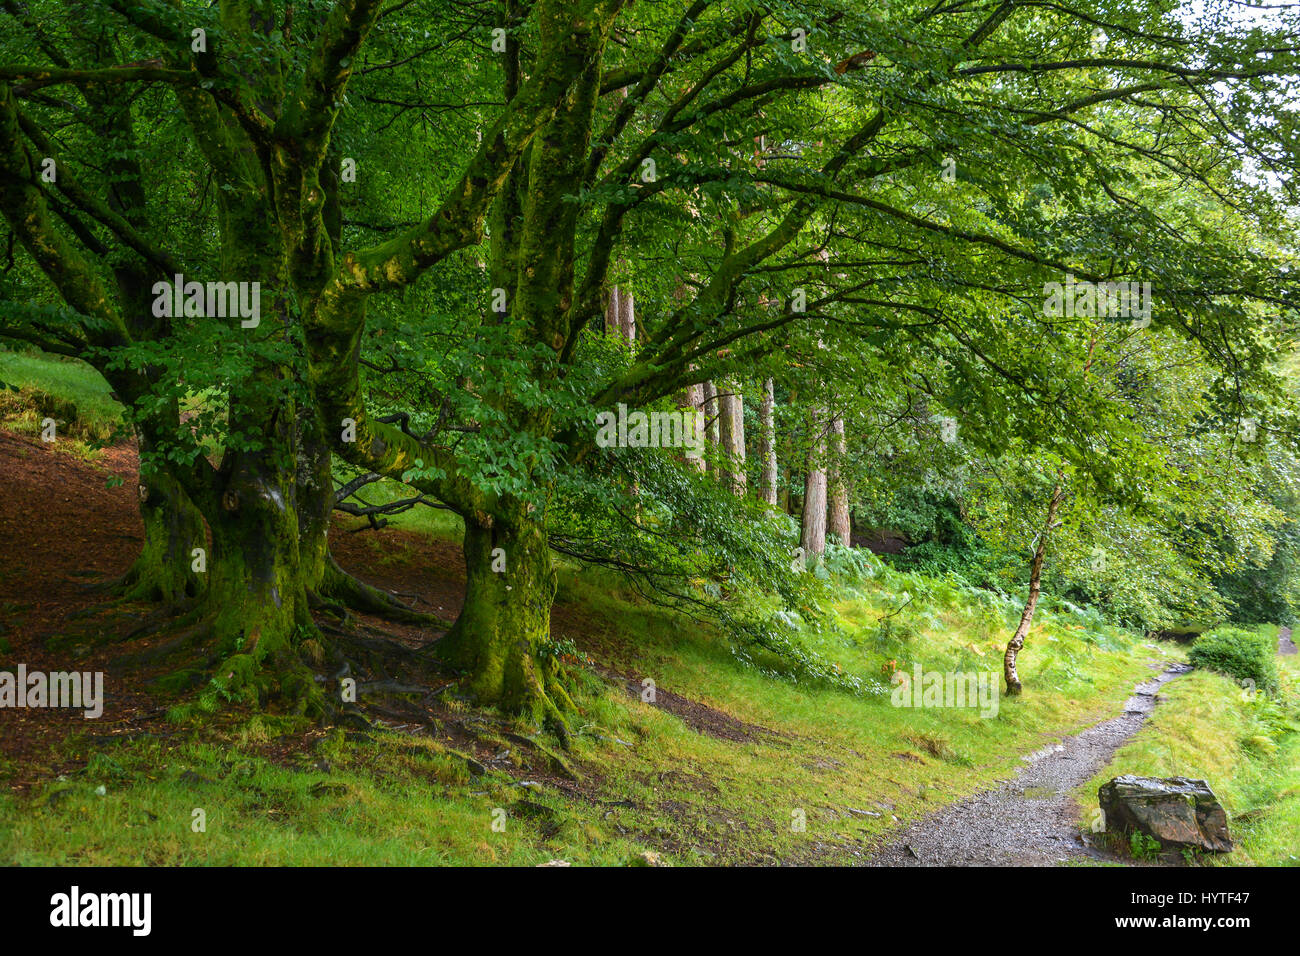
(1035, 589)
(767, 444)
(692, 404)
(841, 525)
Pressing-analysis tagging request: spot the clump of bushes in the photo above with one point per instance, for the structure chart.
(1243, 655)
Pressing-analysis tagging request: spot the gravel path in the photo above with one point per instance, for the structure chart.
(1030, 820)
(1284, 643)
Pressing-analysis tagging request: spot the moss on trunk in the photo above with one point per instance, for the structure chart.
(256, 600)
(314, 497)
(502, 636)
(163, 572)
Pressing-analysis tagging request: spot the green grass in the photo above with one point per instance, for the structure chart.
(843, 751)
(421, 519)
(1247, 747)
(68, 390)
(852, 767)
(396, 801)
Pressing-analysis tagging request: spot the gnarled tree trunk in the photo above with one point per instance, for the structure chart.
(255, 603)
(502, 634)
(164, 570)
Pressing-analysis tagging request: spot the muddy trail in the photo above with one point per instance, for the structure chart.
(1032, 819)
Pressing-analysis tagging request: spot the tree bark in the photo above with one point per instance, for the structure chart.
(731, 437)
(613, 314)
(711, 416)
(501, 633)
(315, 499)
(256, 602)
(813, 537)
(163, 572)
(620, 315)
(840, 522)
(1017, 641)
(691, 403)
(627, 316)
(767, 485)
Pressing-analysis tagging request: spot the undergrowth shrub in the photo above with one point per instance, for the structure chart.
(1244, 655)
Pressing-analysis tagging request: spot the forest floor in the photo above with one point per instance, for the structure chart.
(725, 765)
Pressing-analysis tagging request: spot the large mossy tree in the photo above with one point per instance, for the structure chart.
(790, 178)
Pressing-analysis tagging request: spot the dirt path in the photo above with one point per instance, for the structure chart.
(1284, 643)
(1031, 820)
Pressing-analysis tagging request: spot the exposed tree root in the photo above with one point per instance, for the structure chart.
(134, 586)
(534, 693)
(318, 603)
(186, 639)
(343, 589)
(372, 653)
(168, 618)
